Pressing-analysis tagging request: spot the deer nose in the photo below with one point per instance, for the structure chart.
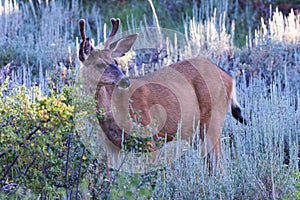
(123, 83)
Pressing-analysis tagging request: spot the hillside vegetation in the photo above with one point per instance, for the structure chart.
(49, 142)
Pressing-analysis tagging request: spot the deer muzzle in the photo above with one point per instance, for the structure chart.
(123, 83)
(113, 75)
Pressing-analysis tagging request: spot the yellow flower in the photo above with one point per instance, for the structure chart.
(64, 73)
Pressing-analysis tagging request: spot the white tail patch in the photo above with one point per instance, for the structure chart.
(235, 107)
(234, 102)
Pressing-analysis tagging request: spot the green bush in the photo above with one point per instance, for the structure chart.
(40, 150)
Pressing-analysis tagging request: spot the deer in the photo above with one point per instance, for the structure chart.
(188, 91)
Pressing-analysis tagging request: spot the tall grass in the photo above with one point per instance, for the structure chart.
(253, 163)
(280, 28)
(38, 35)
(262, 160)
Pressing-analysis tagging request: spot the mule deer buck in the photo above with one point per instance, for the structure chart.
(189, 91)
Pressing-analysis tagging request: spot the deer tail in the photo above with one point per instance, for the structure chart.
(236, 108)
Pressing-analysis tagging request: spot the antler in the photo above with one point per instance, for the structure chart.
(82, 28)
(86, 45)
(115, 26)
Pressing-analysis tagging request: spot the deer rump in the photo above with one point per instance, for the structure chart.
(190, 91)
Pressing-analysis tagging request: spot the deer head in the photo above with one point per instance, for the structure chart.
(103, 59)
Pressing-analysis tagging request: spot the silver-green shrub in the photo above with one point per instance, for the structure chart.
(261, 162)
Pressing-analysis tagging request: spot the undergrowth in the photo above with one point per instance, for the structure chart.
(259, 161)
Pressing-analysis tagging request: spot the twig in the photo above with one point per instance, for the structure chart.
(10, 166)
(26, 170)
(32, 133)
(67, 163)
(6, 151)
(18, 153)
(80, 164)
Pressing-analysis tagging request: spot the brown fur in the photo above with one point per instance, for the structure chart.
(190, 91)
(155, 89)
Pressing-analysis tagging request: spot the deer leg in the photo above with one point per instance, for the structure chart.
(213, 149)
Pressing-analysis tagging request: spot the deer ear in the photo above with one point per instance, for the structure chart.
(123, 45)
